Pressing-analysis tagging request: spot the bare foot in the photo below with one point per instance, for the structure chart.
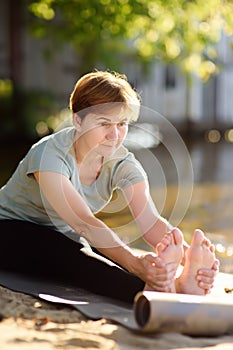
(200, 254)
(170, 249)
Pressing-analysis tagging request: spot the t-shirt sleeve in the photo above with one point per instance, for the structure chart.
(128, 172)
(47, 157)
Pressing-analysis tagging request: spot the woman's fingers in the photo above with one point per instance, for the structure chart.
(206, 277)
(159, 278)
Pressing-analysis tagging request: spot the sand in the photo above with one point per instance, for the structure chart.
(31, 323)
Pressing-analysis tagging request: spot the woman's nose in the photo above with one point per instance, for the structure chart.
(112, 132)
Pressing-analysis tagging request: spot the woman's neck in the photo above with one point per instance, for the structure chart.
(89, 164)
(84, 156)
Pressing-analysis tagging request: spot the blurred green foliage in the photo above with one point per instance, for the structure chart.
(22, 110)
(112, 32)
(38, 106)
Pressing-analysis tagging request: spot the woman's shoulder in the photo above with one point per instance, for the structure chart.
(123, 154)
(126, 169)
(50, 153)
(60, 139)
(122, 158)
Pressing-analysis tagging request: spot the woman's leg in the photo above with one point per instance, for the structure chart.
(37, 250)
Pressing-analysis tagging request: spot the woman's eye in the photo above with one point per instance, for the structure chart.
(101, 123)
(122, 124)
(108, 125)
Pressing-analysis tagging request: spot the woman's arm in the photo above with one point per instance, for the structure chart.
(153, 227)
(71, 207)
(151, 224)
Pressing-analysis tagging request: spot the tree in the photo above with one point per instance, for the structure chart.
(109, 32)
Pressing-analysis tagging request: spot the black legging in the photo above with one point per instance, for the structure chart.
(37, 250)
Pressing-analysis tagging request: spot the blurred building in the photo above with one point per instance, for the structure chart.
(211, 103)
(22, 60)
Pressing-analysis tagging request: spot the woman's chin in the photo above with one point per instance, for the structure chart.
(108, 150)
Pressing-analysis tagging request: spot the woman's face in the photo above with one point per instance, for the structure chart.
(104, 132)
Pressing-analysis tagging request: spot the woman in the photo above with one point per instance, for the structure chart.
(66, 178)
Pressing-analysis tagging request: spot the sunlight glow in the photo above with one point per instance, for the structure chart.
(42, 10)
(220, 248)
(6, 87)
(213, 136)
(229, 135)
(42, 129)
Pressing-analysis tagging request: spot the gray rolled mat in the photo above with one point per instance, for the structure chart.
(152, 312)
(184, 313)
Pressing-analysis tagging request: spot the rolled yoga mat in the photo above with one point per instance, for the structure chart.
(151, 312)
(184, 313)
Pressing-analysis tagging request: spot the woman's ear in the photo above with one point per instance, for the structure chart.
(77, 121)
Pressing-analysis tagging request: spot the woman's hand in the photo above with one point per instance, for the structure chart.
(206, 277)
(157, 275)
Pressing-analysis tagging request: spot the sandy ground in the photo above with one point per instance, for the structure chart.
(30, 323)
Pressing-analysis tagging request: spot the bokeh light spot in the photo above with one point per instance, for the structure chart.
(213, 136)
(229, 135)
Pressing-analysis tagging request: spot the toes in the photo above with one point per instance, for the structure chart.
(166, 240)
(164, 243)
(177, 236)
(198, 238)
(172, 241)
(207, 242)
(160, 247)
(212, 248)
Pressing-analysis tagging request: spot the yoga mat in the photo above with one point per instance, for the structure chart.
(90, 305)
(184, 313)
(152, 312)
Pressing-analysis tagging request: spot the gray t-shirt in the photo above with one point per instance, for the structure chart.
(21, 198)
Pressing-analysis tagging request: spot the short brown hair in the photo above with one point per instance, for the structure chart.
(102, 87)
